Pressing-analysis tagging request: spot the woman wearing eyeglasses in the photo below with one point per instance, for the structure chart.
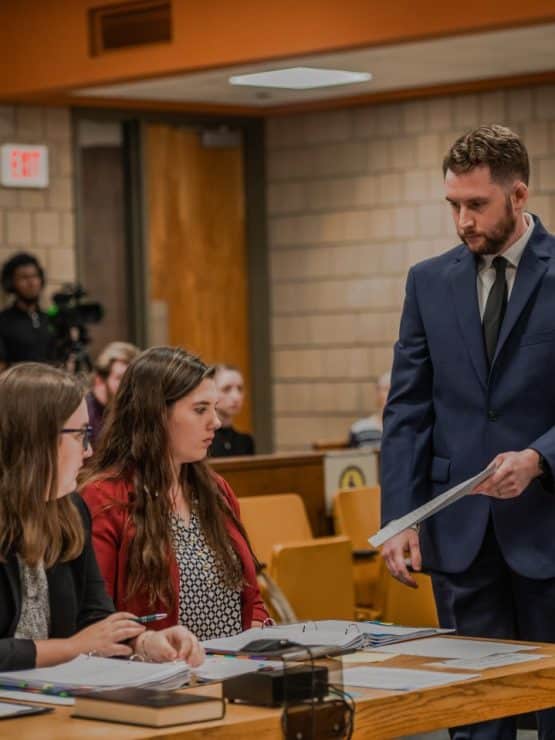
(53, 604)
(166, 529)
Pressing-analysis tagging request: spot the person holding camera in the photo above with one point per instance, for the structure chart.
(25, 334)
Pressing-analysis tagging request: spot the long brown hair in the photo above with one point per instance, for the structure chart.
(35, 401)
(134, 445)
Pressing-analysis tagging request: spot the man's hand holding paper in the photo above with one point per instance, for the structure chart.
(399, 537)
(514, 471)
(507, 476)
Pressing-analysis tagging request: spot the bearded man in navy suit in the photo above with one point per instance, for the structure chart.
(474, 382)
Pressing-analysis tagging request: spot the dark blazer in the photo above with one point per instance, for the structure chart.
(228, 442)
(447, 416)
(77, 598)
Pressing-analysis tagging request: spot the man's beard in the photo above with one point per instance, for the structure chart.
(496, 239)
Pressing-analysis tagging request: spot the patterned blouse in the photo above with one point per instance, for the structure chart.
(34, 620)
(207, 606)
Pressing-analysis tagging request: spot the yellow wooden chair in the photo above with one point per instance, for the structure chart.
(315, 575)
(356, 514)
(408, 606)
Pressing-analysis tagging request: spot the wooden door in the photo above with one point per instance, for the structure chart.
(196, 248)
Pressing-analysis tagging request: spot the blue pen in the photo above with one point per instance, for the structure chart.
(149, 618)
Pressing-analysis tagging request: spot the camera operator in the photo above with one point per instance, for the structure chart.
(25, 334)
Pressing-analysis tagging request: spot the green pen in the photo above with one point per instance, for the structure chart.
(149, 618)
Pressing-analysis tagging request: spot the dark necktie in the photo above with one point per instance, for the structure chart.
(495, 307)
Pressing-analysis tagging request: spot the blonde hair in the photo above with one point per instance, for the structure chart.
(114, 352)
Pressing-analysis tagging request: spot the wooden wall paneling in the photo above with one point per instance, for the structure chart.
(197, 246)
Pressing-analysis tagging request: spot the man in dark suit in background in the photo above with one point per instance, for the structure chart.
(474, 381)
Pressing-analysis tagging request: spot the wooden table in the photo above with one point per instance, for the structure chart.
(498, 692)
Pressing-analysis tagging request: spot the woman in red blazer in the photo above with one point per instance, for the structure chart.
(166, 529)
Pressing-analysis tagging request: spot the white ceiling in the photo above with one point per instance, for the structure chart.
(424, 63)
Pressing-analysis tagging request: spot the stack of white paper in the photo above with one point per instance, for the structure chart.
(86, 672)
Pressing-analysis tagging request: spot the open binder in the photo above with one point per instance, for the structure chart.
(335, 633)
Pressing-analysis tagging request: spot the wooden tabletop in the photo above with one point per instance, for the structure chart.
(497, 692)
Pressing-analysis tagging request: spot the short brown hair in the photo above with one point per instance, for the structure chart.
(114, 352)
(496, 147)
(36, 400)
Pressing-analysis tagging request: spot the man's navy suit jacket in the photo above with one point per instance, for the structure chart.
(448, 415)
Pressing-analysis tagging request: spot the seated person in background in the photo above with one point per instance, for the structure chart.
(231, 393)
(53, 604)
(368, 432)
(25, 334)
(166, 529)
(109, 368)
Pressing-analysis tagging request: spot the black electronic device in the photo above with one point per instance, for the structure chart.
(269, 646)
(273, 688)
(69, 317)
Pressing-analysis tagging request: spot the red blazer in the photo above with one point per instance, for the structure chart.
(113, 531)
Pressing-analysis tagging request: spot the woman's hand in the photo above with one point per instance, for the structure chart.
(105, 638)
(173, 643)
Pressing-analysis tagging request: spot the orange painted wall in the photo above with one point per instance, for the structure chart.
(45, 45)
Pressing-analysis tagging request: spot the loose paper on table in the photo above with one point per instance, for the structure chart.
(16, 710)
(428, 509)
(449, 647)
(399, 679)
(35, 697)
(488, 661)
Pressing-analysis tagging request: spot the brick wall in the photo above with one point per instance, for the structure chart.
(355, 198)
(41, 220)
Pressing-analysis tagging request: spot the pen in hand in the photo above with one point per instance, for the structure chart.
(149, 618)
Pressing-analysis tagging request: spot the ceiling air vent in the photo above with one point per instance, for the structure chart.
(126, 25)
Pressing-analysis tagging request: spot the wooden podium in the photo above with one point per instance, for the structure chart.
(301, 473)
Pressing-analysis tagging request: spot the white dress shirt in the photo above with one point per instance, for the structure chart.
(486, 273)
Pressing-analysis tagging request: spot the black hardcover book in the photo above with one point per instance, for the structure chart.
(148, 707)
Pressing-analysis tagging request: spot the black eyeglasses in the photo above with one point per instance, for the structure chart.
(84, 432)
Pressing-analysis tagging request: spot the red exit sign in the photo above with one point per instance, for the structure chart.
(24, 166)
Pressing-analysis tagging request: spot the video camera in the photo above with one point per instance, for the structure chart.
(69, 317)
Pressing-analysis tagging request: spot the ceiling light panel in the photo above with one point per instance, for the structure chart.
(300, 78)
